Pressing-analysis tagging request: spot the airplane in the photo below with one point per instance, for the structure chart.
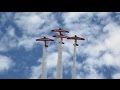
(45, 40)
(76, 38)
(60, 36)
(60, 30)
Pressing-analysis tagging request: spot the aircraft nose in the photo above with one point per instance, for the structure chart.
(82, 39)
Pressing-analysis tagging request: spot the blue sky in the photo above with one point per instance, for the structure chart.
(97, 57)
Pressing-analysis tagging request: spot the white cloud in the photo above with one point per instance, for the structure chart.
(29, 22)
(112, 42)
(72, 17)
(5, 63)
(9, 39)
(27, 42)
(116, 76)
(34, 25)
(36, 72)
(90, 72)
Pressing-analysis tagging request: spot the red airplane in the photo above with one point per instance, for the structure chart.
(60, 30)
(76, 38)
(45, 40)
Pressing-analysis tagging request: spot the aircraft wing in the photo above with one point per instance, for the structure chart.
(57, 30)
(71, 38)
(76, 38)
(39, 40)
(49, 40)
(80, 39)
(44, 39)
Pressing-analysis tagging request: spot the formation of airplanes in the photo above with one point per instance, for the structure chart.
(60, 35)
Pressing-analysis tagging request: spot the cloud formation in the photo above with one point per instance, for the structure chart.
(5, 63)
(100, 49)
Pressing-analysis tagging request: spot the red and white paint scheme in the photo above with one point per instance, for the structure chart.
(75, 38)
(44, 39)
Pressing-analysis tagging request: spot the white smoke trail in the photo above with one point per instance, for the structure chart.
(74, 63)
(44, 64)
(59, 62)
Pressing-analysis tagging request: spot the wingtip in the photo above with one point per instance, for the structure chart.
(83, 38)
(37, 39)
